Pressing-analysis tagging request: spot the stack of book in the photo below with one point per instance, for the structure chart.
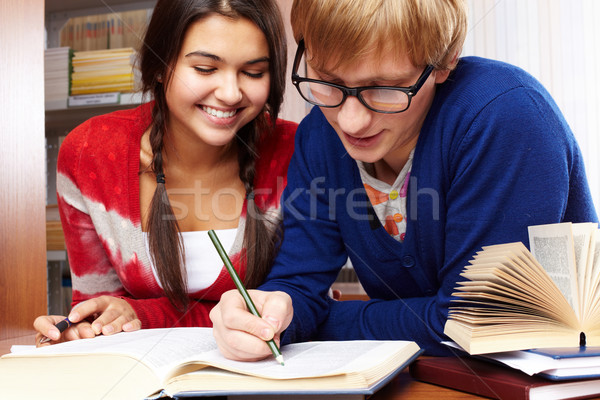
(490, 379)
(57, 77)
(102, 71)
(533, 316)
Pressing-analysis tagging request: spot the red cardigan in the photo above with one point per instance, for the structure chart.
(99, 202)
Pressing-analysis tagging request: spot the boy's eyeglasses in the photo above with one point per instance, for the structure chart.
(382, 99)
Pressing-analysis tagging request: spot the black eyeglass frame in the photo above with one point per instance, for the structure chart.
(355, 91)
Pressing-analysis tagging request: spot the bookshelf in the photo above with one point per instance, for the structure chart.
(65, 119)
(61, 120)
(58, 13)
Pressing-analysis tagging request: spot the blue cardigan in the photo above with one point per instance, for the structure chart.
(494, 156)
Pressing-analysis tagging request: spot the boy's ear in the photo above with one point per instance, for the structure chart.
(441, 75)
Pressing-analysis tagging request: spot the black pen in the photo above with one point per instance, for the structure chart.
(61, 326)
(240, 286)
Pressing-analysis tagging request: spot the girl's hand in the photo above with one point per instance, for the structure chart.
(44, 325)
(110, 315)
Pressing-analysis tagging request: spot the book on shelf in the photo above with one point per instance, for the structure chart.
(186, 362)
(496, 381)
(101, 71)
(85, 33)
(91, 55)
(516, 299)
(103, 88)
(105, 31)
(126, 29)
(57, 77)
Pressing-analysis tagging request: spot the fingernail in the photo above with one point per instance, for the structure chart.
(127, 326)
(54, 335)
(97, 328)
(266, 334)
(73, 316)
(108, 329)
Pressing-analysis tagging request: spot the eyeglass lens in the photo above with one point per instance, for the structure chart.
(378, 99)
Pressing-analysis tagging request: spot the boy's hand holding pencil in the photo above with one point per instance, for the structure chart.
(241, 332)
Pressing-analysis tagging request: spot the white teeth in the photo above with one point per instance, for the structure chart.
(219, 113)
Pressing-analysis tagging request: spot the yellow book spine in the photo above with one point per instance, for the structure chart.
(109, 79)
(102, 89)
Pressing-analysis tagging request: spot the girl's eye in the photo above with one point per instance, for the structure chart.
(204, 70)
(254, 75)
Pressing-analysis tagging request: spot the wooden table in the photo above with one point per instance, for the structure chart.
(7, 343)
(404, 387)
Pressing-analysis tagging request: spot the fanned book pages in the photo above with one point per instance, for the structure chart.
(514, 299)
(186, 362)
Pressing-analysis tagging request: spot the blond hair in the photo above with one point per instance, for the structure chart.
(430, 32)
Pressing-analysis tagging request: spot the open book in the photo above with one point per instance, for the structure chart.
(177, 361)
(514, 299)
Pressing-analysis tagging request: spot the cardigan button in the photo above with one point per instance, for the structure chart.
(408, 261)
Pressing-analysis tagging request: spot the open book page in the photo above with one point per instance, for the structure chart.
(310, 368)
(521, 262)
(315, 359)
(584, 242)
(21, 348)
(593, 315)
(168, 351)
(553, 246)
(508, 275)
(159, 349)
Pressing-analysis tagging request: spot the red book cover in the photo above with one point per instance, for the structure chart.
(497, 381)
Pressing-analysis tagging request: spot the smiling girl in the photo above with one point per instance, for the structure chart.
(138, 189)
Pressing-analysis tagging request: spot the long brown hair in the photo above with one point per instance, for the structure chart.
(162, 44)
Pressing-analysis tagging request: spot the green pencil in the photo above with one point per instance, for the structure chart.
(240, 286)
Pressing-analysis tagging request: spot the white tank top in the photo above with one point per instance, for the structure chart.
(202, 261)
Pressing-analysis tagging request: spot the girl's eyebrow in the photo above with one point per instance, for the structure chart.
(200, 53)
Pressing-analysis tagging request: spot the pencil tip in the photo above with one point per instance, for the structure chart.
(280, 360)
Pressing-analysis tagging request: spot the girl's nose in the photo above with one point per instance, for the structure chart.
(229, 91)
